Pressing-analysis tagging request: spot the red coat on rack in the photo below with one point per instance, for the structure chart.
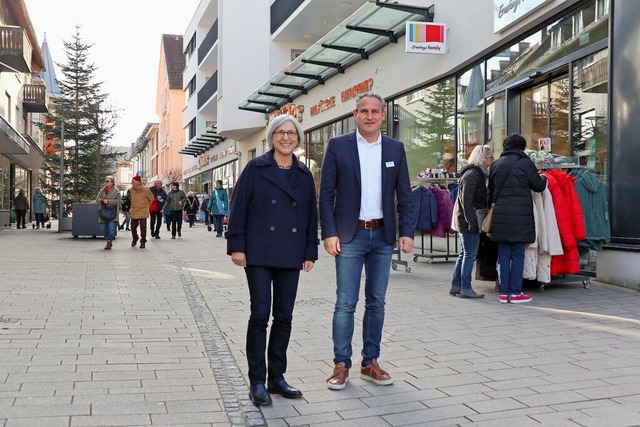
(570, 221)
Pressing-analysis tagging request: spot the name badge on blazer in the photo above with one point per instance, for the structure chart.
(390, 164)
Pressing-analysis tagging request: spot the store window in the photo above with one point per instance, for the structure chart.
(318, 139)
(5, 183)
(590, 112)
(425, 123)
(496, 122)
(470, 112)
(550, 43)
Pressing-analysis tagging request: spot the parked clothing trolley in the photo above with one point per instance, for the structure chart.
(565, 268)
(434, 196)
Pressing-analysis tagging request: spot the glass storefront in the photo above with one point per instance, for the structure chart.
(203, 182)
(5, 183)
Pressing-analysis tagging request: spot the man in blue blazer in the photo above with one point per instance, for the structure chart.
(364, 186)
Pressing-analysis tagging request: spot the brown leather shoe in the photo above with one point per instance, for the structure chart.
(340, 377)
(142, 245)
(108, 247)
(133, 242)
(375, 374)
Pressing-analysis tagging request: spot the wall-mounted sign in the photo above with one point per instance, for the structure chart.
(290, 109)
(203, 160)
(506, 12)
(356, 90)
(322, 105)
(426, 37)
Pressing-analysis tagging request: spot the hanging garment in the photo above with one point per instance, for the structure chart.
(426, 205)
(592, 194)
(445, 212)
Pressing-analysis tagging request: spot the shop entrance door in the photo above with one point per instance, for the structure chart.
(544, 116)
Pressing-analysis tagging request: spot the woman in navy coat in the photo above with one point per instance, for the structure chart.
(273, 234)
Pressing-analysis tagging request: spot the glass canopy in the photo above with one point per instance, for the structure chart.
(370, 28)
(209, 138)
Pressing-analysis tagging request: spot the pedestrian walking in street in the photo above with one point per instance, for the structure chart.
(156, 212)
(364, 187)
(272, 234)
(205, 210)
(512, 178)
(219, 207)
(125, 207)
(175, 202)
(191, 207)
(39, 206)
(108, 200)
(141, 199)
(472, 197)
(21, 204)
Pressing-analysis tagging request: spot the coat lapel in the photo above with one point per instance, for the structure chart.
(355, 158)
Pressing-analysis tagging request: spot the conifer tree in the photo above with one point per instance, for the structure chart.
(88, 126)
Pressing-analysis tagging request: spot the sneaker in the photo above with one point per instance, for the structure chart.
(340, 377)
(518, 299)
(375, 374)
(503, 298)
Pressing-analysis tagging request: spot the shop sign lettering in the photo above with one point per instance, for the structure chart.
(323, 105)
(290, 109)
(356, 90)
(506, 12)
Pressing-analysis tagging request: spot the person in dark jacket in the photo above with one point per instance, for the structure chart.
(156, 217)
(191, 207)
(273, 234)
(511, 179)
(175, 202)
(21, 204)
(472, 195)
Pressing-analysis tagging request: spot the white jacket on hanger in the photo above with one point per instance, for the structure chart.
(537, 261)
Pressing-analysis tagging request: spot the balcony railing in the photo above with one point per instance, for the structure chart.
(281, 10)
(35, 98)
(15, 50)
(208, 42)
(208, 90)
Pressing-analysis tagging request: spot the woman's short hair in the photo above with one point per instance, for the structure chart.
(514, 142)
(110, 178)
(176, 184)
(279, 121)
(479, 154)
(219, 181)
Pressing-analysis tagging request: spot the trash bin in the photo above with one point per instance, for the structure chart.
(85, 220)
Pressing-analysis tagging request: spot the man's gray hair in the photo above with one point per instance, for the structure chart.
(359, 98)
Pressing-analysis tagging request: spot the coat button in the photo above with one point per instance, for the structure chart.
(272, 228)
(273, 201)
(294, 204)
(294, 230)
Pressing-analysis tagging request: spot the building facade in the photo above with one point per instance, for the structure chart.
(24, 100)
(563, 73)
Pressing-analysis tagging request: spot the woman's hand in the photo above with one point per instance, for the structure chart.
(239, 259)
(308, 265)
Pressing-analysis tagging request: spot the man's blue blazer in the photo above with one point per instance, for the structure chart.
(340, 190)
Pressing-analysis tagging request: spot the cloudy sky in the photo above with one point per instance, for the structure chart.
(126, 36)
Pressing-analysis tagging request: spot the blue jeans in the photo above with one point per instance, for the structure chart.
(510, 267)
(370, 250)
(108, 229)
(464, 264)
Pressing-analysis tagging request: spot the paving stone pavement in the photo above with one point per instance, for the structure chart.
(156, 336)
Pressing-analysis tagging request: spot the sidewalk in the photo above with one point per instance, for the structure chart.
(156, 336)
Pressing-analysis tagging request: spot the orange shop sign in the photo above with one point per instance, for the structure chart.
(323, 105)
(357, 89)
(290, 109)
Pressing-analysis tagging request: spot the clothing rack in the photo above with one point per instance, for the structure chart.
(398, 261)
(435, 178)
(584, 278)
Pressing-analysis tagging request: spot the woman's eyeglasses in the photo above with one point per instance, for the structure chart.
(282, 133)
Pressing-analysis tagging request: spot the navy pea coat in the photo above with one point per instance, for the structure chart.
(273, 219)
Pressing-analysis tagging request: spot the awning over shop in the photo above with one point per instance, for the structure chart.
(209, 138)
(369, 29)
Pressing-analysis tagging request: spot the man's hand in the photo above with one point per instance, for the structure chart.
(239, 259)
(332, 245)
(406, 244)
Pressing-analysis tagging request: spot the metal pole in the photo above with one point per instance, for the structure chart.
(61, 202)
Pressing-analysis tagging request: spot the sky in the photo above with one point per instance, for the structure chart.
(126, 36)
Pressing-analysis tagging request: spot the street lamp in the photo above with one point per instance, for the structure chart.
(61, 202)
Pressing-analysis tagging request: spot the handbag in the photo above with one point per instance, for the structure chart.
(153, 208)
(107, 213)
(480, 216)
(486, 222)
